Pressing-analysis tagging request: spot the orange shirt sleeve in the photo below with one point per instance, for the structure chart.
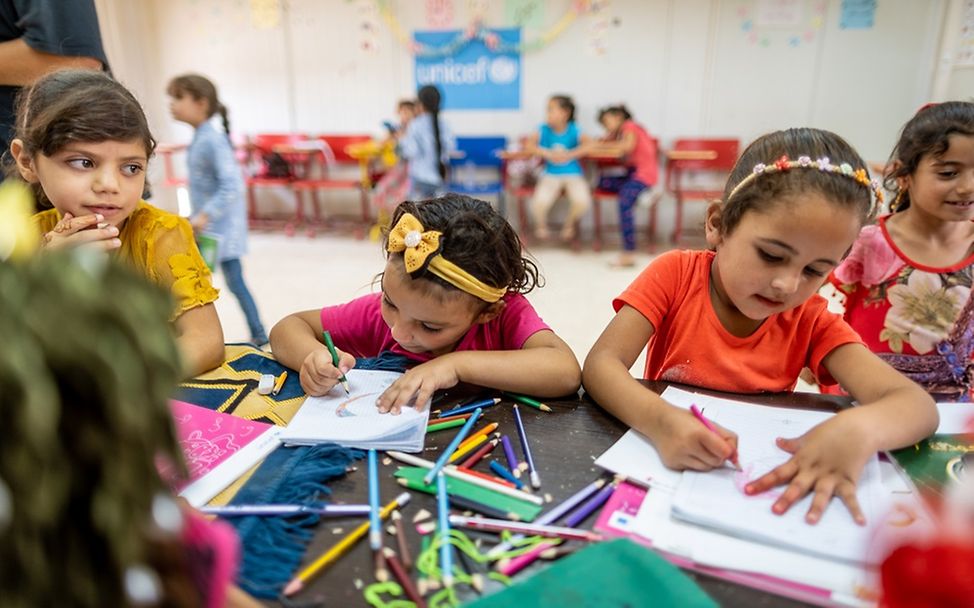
(829, 332)
(654, 290)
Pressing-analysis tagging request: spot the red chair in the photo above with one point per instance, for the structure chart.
(332, 155)
(263, 146)
(167, 151)
(711, 159)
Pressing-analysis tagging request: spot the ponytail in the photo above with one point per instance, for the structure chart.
(224, 117)
(429, 98)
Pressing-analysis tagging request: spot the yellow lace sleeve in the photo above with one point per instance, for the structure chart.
(174, 261)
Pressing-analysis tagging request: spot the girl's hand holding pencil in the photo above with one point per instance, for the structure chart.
(319, 374)
(418, 384)
(684, 443)
(827, 460)
(86, 230)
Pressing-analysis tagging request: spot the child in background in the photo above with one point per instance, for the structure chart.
(83, 143)
(627, 138)
(216, 186)
(559, 142)
(452, 300)
(85, 519)
(746, 318)
(426, 146)
(907, 281)
(393, 187)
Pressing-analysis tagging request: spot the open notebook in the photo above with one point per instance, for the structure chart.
(716, 500)
(218, 448)
(353, 420)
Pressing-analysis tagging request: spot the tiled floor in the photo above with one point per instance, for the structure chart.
(287, 274)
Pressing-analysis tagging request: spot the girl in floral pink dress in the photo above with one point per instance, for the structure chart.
(907, 280)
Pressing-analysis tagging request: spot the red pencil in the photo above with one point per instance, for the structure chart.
(488, 477)
(479, 454)
(449, 418)
(407, 583)
(699, 416)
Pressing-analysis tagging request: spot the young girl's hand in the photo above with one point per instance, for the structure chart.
(199, 222)
(684, 443)
(417, 385)
(319, 374)
(827, 460)
(85, 230)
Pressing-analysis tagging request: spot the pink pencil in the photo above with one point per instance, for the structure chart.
(699, 416)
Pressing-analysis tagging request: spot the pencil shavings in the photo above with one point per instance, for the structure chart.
(386, 461)
(421, 515)
(427, 527)
(547, 497)
(337, 530)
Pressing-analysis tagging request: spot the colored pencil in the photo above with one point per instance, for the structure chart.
(512, 566)
(448, 419)
(482, 403)
(399, 571)
(485, 431)
(335, 359)
(329, 556)
(421, 584)
(454, 471)
(554, 514)
(476, 578)
(535, 478)
(279, 382)
(500, 525)
(460, 436)
(591, 504)
(479, 454)
(443, 510)
(510, 455)
(442, 426)
(375, 529)
(286, 510)
(470, 446)
(407, 560)
(502, 472)
(710, 426)
(528, 401)
(495, 479)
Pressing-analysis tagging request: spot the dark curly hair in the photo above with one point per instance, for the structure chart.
(476, 238)
(778, 187)
(928, 132)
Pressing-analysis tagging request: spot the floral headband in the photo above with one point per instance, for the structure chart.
(822, 164)
(421, 248)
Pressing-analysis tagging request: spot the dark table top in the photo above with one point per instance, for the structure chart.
(564, 443)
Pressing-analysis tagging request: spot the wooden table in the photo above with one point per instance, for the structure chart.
(564, 443)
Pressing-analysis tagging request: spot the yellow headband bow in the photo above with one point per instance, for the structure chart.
(422, 247)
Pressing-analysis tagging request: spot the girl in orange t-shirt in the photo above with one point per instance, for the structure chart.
(747, 318)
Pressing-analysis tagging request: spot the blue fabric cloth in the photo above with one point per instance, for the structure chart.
(216, 187)
(418, 147)
(233, 272)
(566, 140)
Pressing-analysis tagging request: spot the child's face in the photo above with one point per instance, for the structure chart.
(84, 178)
(405, 115)
(420, 322)
(611, 121)
(943, 186)
(556, 116)
(186, 108)
(768, 265)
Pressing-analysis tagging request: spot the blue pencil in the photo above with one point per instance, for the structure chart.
(463, 409)
(443, 507)
(375, 521)
(502, 471)
(445, 456)
(535, 478)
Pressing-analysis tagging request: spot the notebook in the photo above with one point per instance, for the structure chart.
(354, 421)
(218, 448)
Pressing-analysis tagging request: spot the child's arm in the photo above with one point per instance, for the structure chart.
(828, 459)
(682, 441)
(615, 147)
(200, 339)
(298, 343)
(545, 367)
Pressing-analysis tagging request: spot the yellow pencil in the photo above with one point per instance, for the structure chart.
(279, 383)
(472, 445)
(329, 556)
(486, 431)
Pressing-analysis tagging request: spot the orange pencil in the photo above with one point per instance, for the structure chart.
(448, 419)
(487, 430)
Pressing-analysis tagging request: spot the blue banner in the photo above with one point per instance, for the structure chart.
(475, 77)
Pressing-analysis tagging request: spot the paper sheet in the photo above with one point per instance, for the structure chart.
(354, 421)
(955, 418)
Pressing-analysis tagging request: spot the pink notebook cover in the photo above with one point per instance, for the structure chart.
(624, 504)
(218, 448)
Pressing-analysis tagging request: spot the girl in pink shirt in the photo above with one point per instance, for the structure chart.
(451, 300)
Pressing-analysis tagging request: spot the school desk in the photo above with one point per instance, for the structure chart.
(564, 442)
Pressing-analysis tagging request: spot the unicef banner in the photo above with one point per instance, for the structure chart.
(475, 78)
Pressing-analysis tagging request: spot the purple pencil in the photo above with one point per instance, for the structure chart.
(591, 505)
(511, 457)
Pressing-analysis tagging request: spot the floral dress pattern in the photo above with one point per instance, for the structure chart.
(917, 318)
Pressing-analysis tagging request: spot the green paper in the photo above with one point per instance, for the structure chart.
(619, 573)
(209, 246)
(526, 511)
(927, 462)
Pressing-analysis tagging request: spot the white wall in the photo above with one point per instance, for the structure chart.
(684, 67)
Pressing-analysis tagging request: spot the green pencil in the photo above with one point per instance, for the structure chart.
(449, 424)
(334, 360)
(529, 401)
